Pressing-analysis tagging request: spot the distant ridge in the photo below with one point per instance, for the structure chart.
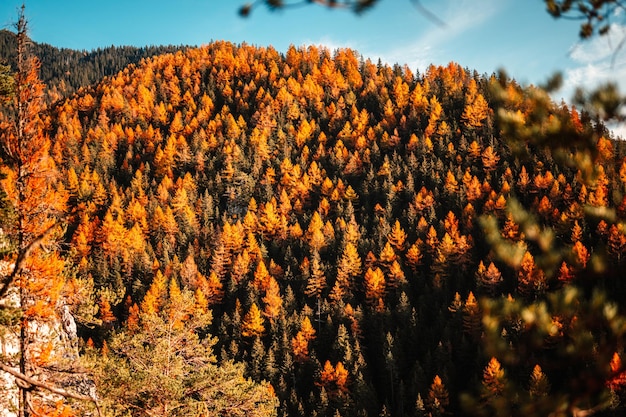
(66, 70)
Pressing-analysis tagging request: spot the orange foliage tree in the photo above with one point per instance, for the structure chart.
(253, 323)
(38, 202)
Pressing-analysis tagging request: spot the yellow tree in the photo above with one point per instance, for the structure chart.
(488, 278)
(471, 316)
(211, 287)
(476, 107)
(490, 159)
(273, 301)
(414, 255)
(314, 233)
(349, 266)
(253, 325)
(269, 219)
(375, 287)
(397, 237)
(438, 397)
(262, 276)
(539, 385)
(396, 275)
(300, 343)
(530, 279)
(317, 280)
(334, 379)
(387, 254)
(616, 241)
(451, 184)
(300, 347)
(494, 380)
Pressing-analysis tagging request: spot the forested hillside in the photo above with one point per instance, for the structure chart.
(341, 221)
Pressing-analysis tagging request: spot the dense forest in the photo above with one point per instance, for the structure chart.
(65, 70)
(365, 239)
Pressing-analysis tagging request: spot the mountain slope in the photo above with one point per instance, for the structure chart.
(329, 210)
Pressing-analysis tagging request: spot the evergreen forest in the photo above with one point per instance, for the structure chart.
(239, 231)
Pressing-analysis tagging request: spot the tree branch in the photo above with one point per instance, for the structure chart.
(357, 6)
(48, 387)
(427, 13)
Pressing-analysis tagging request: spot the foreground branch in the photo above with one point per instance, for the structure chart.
(48, 387)
(358, 6)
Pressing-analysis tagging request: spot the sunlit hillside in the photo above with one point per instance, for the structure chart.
(345, 224)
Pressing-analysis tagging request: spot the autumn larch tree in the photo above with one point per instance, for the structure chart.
(35, 267)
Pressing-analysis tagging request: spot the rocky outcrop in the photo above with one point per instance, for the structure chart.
(51, 350)
(9, 354)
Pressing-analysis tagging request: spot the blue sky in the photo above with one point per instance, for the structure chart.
(485, 35)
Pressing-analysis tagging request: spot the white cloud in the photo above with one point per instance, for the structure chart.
(333, 44)
(588, 76)
(596, 62)
(430, 45)
(618, 130)
(599, 47)
(459, 17)
(592, 75)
